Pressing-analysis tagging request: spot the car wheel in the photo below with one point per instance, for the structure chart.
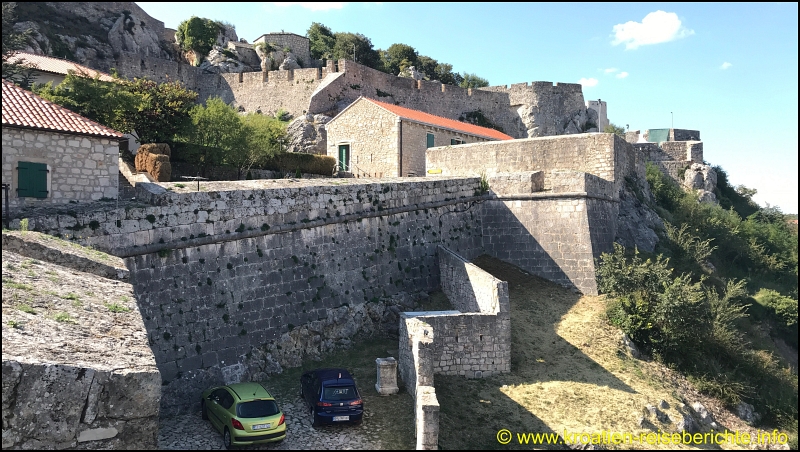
(314, 421)
(203, 410)
(226, 439)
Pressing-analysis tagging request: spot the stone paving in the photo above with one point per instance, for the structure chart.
(189, 431)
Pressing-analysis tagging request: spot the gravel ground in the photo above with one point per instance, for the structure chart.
(191, 432)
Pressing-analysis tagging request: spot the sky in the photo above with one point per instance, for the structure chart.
(728, 70)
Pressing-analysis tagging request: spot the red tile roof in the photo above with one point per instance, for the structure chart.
(438, 121)
(22, 108)
(58, 66)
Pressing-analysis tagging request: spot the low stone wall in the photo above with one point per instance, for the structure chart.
(474, 341)
(469, 288)
(416, 358)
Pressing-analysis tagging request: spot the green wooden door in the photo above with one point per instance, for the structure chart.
(344, 157)
(32, 180)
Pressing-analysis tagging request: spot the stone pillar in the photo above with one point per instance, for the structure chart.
(427, 418)
(387, 376)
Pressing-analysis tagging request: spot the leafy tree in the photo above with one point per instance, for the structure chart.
(262, 141)
(217, 125)
(14, 69)
(472, 81)
(107, 103)
(155, 111)
(161, 110)
(321, 41)
(615, 129)
(347, 43)
(398, 57)
(198, 35)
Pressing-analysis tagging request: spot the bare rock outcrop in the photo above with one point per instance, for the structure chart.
(289, 62)
(220, 61)
(307, 134)
(702, 179)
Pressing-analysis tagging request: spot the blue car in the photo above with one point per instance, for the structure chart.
(331, 396)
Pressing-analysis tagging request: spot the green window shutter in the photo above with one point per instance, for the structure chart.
(452, 141)
(430, 140)
(32, 180)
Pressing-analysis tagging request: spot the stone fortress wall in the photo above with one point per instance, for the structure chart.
(521, 110)
(682, 149)
(234, 284)
(298, 45)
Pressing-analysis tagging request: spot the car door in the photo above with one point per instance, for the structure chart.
(215, 410)
(308, 389)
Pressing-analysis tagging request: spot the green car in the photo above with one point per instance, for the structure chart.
(245, 413)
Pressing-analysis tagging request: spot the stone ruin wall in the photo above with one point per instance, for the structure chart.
(299, 45)
(248, 299)
(416, 358)
(475, 342)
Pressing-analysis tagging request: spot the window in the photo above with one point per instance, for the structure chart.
(430, 140)
(455, 141)
(32, 180)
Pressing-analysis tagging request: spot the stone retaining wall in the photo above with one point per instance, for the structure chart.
(60, 406)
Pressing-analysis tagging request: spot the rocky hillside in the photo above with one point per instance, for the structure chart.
(94, 33)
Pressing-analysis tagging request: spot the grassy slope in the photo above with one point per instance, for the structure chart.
(568, 372)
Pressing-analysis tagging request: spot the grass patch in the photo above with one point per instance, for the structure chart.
(26, 309)
(117, 308)
(63, 317)
(7, 283)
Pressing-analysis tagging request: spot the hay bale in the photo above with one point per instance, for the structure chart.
(140, 161)
(159, 167)
(157, 148)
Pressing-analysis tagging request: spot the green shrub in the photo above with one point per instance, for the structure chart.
(306, 163)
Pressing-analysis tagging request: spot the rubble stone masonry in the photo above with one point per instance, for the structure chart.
(80, 168)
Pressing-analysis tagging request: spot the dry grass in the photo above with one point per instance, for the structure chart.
(568, 372)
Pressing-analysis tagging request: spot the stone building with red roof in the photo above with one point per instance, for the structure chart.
(52, 155)
(370, 138)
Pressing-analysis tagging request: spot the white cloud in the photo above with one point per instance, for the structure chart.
(313, 6)
(622, 74)
(611, 70)
(587, 82)
(655, 28)
(725, 65)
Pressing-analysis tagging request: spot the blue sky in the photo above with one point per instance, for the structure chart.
(728, 70)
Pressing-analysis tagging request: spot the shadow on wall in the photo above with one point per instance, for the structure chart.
(543, 366)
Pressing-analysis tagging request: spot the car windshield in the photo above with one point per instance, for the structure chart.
(257, 408)
(336, 393)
